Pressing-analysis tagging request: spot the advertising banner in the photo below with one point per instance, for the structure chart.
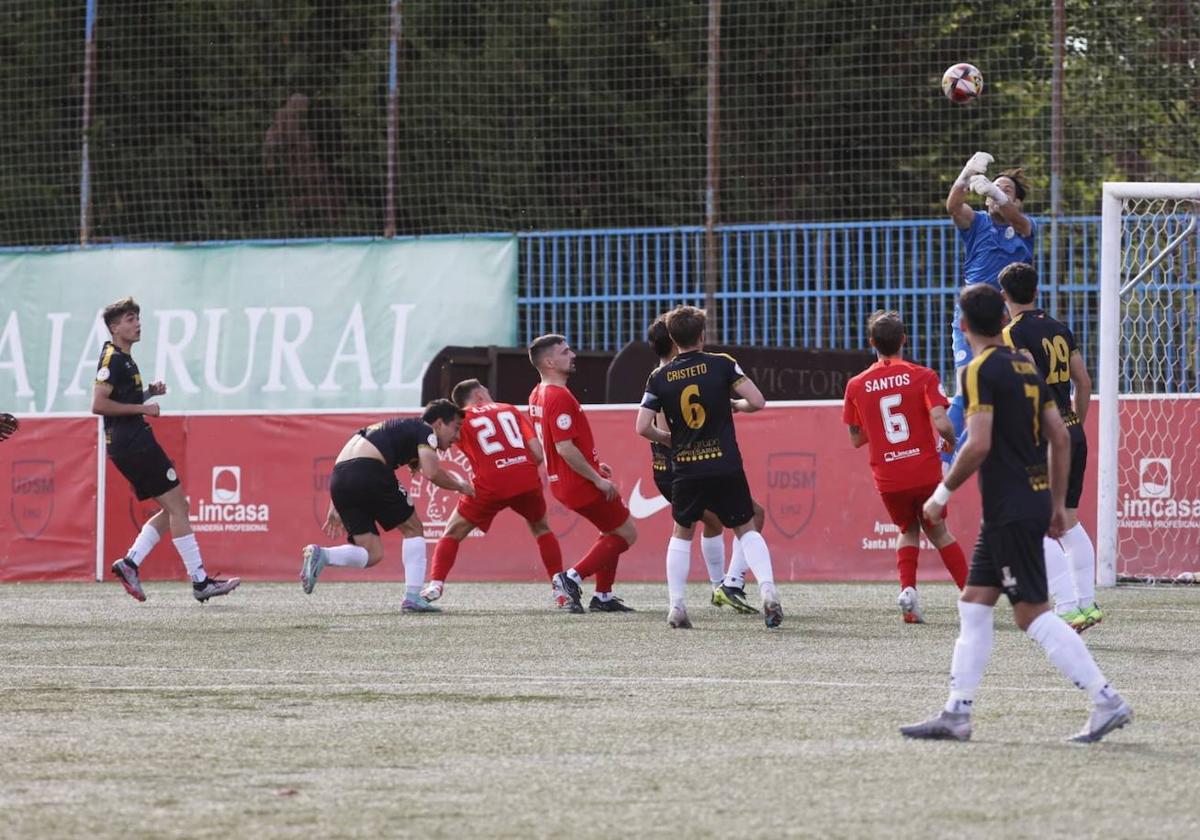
(48, 493)
(255, 327)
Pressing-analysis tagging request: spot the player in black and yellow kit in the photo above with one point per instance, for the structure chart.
(364, 491)
(1071, 559)
(1011, 418)
(698, 392)
(119, 397)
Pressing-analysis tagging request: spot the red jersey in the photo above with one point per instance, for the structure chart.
(494, 437)
(556, 417)
(891, 401)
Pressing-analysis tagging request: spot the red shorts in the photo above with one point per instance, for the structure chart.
(482, 509)
(904, 506)
(605, 515)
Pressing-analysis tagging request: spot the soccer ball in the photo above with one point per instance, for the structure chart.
(962, 83)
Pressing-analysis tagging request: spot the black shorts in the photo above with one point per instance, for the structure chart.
(1010, 557)
(364, 491)
(728, 496)
(149, 470)
(663, 481)
(1079, 453)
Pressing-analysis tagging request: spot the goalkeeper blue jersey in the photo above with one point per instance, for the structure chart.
(990, 247)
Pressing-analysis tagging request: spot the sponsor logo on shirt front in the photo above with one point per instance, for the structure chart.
(901, 454)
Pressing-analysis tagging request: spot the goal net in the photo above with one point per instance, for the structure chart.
(1149, 481)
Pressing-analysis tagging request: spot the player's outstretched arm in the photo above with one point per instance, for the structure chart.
(8, 425)
(431, 468)
(956, 201)
(1082, 381)
(1020, 222)
(646, 426)
(751, 399)
(945, 428)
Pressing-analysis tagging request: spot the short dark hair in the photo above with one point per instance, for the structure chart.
(983, 308)
(443, 410)
(1020, 281)
(539, 346)
(886, 329)
(114, 312)
(462, 392)
(659, 337)
(1020, 182)
(686, 325)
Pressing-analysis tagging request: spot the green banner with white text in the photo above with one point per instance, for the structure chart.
(254, 327)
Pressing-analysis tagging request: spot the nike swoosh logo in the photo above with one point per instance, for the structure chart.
(640, 507)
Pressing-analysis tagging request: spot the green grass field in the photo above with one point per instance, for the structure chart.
(274, 714)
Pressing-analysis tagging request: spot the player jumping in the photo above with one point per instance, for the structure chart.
(577, 477)
(990, 240)
(1011, 416)
(894, 406)
(698, 393)
(504, 453)
(119, 397)
(364, 491)
(1071, 559)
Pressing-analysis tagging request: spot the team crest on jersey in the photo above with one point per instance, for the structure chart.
(791, 490)
(1009, 233)
(103, 374)
(563, 421)
(322, 469)
(32, 501)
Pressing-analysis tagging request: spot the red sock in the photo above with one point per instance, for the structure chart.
(551, 553)
(601, 561)
(956, 563)
(906, 562)
(443, 558)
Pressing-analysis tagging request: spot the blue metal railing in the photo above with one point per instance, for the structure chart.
(792, 285)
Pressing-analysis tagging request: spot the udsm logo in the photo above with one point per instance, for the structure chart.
(1154, 478)
(226, 485)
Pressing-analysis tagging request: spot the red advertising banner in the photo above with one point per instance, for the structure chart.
(48, 476)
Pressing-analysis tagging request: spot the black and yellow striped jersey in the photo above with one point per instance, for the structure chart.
(1013, 479)
(1052, 344)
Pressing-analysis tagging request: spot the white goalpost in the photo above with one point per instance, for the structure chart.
(1148, 505)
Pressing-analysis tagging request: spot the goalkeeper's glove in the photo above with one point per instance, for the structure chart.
(980, 185)
(977, 165)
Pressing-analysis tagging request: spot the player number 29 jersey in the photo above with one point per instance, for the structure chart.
(891, 401)
(1052, 344)
(493, 437)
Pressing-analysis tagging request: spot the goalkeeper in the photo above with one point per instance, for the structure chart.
(991, 240)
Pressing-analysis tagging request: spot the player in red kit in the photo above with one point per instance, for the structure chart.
(577, 478)
(894, 406)
(504, 453)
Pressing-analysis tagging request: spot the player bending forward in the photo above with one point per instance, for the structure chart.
(894, 406)
(1011, 416)
(364, 490)
(1070, 560)
(577, 478)
(118, 396)
(729, 588)
(698, 393)
(504, 454)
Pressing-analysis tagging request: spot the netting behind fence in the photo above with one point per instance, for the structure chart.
(232, 119)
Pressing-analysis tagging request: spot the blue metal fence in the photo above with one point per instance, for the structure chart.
(791, 285)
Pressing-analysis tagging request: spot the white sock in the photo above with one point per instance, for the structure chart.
(1058, 577)
(758, 557)
(1067, 652)
(971, 653)
(147, 538)
(1082, 557)
(736, 577)
(413, 549)
(713, 551)
(574, 575)
(679, 560)
(354, 556)
(190, 552)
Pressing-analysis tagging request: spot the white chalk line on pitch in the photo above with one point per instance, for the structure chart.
(438, 681)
